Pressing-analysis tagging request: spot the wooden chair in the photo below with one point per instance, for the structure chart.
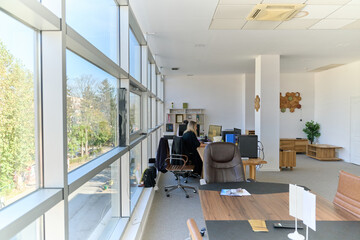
(179, 171)
(348, 193)
(193, 229)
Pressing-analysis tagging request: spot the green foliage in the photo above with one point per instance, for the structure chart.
(91, 117)
(17, 127)
(312, 130)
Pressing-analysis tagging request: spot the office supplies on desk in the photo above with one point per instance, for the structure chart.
(289, 225)
(258, 225)
(239, 192)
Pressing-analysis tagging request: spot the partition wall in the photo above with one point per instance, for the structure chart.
(81, 112)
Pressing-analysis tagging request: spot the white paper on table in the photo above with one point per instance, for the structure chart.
(309, 210)
(296, 201)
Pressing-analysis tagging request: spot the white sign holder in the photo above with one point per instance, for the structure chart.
(309, 212)
(296, 208)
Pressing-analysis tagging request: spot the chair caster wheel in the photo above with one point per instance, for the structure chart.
(168, 195)
(185, 181)
(187, 196)
(166, 189)
(194, 191)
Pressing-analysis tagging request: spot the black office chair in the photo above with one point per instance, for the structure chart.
(177, 164)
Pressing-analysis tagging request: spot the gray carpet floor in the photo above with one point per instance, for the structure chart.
(168, 215)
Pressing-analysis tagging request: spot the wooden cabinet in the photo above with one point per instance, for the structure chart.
(294, 144)
(287, 159)
(323, 152)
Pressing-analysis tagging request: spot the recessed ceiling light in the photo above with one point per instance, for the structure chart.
(175, 68)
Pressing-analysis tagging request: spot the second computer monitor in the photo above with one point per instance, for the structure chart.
(248, 146)
(183, 127)
(214, 130)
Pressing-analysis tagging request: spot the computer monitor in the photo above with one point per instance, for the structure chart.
(235, 131)
(248, 146)
(183, 127)
(214, 130)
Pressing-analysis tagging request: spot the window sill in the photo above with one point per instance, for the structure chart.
(83, 174)
(25, 211)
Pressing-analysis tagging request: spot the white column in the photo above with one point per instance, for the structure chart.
(267, 119)
(125, 185)
(54, 123)
(144, 65)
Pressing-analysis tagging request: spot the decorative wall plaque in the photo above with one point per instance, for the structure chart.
(291, 100)
(257, 103)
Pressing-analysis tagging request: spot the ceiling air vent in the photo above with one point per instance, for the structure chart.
(274, 12)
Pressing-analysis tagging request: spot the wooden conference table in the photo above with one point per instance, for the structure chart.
(226, 217)
(252, 162)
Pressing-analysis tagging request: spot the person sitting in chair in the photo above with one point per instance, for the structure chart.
(191, 144)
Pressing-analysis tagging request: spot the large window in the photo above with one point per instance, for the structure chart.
(97, 21)
(134, 56)
(135, 174)
(135, 108)
(91, 111)
(94, 207)
(18, 154)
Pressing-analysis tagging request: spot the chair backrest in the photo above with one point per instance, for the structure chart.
(222, 163)
(348, 193)
(193, 229)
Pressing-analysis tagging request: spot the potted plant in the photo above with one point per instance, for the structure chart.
(312, 130)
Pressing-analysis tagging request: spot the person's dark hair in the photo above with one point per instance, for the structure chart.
(186, 122)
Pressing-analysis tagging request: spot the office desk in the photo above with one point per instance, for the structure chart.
(252, 162)
(226, 217)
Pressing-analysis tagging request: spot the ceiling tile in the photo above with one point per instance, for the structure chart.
(261, 25)
(240, 2)
(353, 25)
(347, 12)
(332, 23)
(283, 1)
(327, 2)
(228, 24)
(297, 24)
(319, 11)
(233, 11)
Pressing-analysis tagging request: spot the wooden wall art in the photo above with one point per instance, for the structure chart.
(291, 100)
(257, 103)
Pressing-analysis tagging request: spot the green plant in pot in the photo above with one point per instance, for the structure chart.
(312, 130)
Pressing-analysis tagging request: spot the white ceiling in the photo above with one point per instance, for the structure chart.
(179, 35)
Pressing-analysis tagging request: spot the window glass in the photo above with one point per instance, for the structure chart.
(18, 155)
(31, 232)
(135, 56)
(97, 21)
(135, 174)
(135, 108)
(91, 111)
(94, 207)
(149, 76)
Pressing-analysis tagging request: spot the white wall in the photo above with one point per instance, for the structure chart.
(220, 96)
(248, 107)
(333, 91)
(290, 123)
